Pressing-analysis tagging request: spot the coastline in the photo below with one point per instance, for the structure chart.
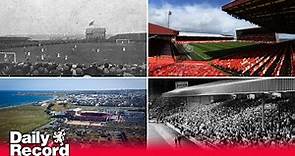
(28, 104)
(26, 117)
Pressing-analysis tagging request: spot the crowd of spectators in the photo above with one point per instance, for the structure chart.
(238, 122)
(71, 70)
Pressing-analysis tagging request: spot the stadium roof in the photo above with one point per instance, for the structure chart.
(94, 30)
(276, 15)
(160, 30)
(194, 34)
(14, 38)
(228, 87)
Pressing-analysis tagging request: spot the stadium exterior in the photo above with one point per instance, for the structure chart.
(95, 116)
(210, 92)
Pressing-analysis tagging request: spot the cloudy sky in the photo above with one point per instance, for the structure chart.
(71, 84)
(70, 16)
(195, 15)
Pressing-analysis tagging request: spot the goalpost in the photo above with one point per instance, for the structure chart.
(7, 57)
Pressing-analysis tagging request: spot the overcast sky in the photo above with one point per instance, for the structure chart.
(71, 16)
(195, 15)
(71, 84)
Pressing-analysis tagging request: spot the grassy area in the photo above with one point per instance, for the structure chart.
(59, 107)
(86, 53)
(208, 51)
(23, 118)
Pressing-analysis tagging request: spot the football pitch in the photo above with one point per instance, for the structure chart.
(208, 51)
(83, 53)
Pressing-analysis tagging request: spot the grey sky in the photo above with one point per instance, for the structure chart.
(71, 16)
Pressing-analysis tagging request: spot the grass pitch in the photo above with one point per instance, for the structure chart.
(22, 118)
(84, 53)
(208, 51)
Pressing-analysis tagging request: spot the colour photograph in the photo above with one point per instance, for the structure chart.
(203, 38)
(105, 113)
(147, 78)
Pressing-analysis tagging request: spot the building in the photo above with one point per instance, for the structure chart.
(275, 15)
(73, 112)
(11, 40)
(192, 36)
(160, 40)
(95, 33)
(95, 116)
(278, 91)
(133, 116)
(256, 34)
(227, 89)
(129, 36)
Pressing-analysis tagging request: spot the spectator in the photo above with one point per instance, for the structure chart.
(235, 122)
(56, 69)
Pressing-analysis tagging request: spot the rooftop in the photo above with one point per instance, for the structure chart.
(276, 15)
(240, 86)
(160, 30)
(195, 34)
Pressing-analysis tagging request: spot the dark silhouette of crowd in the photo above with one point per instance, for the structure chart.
(237, 122)
(71, 70)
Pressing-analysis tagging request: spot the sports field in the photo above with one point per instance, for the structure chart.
(208, 51)
(22, 118)
(83, 53)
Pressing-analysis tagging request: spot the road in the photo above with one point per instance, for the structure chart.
(160, 135)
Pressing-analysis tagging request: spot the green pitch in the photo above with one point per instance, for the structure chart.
(208, 51)
(22, 118)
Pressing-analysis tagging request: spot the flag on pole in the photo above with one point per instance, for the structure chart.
(91, 23)
(169, 14)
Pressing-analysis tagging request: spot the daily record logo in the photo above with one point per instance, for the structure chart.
(37, 144)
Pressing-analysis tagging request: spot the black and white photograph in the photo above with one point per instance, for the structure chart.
(221, 113)
(73, 38)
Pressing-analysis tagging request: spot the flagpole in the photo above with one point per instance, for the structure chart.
(169, 14)
(169, 18)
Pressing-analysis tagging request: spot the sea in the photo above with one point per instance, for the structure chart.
(18, 98)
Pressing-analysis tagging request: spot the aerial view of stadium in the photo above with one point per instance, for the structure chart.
(92, 112)
(225, 38)
(85, 38)
(222, 113)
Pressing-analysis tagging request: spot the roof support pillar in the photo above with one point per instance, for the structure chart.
(263, 117)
